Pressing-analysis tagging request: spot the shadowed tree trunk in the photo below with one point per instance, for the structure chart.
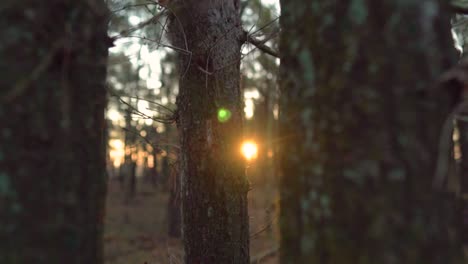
(456, 78)
(463, 129)
(52, 149)
(214, 187)
(129, 166)
(173, 206)
(154, 171)
(360, 127)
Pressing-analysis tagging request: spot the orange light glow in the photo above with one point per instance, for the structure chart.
(116, 151)
(249, 150)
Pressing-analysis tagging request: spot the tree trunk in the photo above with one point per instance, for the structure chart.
(129, 175)
(154, 171)
(457, 79)
(52, 149)
(173, 206)
(214, 187)
(360, 126)
(463, 130)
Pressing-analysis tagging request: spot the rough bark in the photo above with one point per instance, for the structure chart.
(360, 126)
(52, 149)
(214, 187)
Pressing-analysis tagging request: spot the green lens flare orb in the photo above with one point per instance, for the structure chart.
(223, 115)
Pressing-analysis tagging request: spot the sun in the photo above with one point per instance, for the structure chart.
(249, 150)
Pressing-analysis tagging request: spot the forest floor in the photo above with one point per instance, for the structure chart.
(136, 231)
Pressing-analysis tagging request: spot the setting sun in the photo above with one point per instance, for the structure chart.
(249, 150)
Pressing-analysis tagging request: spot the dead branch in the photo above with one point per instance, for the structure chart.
(127, 32)
(260, 44)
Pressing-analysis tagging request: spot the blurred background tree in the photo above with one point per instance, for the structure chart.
(52, 149)
(363, 117)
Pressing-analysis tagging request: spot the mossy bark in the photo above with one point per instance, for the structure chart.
(214, 187)
(52, 149)
(360, 125)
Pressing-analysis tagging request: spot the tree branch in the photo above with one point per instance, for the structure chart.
(127, 32)
(260, 44)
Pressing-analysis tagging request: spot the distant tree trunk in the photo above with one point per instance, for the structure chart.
(165, 169)
(463, 129)
(52, 149)
(174, 204)
(131, 191)
(165, 166)
(129, 169)
(121, 175)
(456, 78)
(214, 186)
(360, 125)
(154, 170)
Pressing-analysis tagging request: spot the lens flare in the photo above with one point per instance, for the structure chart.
(223, 115)
(249, 150)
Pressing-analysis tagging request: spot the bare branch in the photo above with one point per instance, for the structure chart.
(147, 141)
(164, 120)
(260, 44)
(132, 6)
(127, 32)
(181, 50)
(152, 102)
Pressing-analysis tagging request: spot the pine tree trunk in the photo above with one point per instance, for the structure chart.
(52, 149)
(214, 187)
(360, 125)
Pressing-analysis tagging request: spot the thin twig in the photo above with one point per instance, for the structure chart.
(265, 26)
(127, 32)
(264, 228)
(156, 147)
(183, 51)
(260, 44)
(150, 101)
(185, 42)
(131, 6)
(168, 120)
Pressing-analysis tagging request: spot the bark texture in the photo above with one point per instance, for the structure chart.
(52, 149)
(214, 187)
(360, 126)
